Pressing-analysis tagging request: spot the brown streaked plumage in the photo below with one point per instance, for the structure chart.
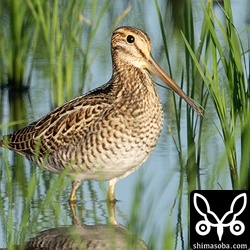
(109, 132)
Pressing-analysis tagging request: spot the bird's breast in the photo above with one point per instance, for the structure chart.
(120, 138)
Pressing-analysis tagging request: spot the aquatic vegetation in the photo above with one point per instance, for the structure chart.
(18, 40)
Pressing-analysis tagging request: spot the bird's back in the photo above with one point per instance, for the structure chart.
(61, 127)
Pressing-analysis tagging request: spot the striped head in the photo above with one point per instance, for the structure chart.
(132, 46)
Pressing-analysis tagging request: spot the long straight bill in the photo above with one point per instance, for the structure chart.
(159, 72)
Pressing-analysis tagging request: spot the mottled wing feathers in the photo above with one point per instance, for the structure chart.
(20, 140)
(64, 125)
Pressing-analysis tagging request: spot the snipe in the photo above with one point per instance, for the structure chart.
(109, 132)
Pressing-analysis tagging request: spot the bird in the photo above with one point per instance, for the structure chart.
(109, 132)
(110, 235)
(87, 237)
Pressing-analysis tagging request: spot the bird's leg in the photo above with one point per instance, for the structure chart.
(111, 190)
(111, 210)
(75, 219)
(75, 185)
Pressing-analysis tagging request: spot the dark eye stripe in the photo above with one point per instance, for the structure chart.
(118, 36)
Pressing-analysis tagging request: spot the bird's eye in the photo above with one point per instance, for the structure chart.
(130, 39)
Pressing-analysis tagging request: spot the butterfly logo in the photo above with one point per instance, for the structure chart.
(203, 227)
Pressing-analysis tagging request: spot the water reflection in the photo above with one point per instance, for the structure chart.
(112, 235)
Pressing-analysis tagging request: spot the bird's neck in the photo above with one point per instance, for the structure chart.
(134, 87)
(132, 80)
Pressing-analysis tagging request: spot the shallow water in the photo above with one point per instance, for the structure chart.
(158, 189)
